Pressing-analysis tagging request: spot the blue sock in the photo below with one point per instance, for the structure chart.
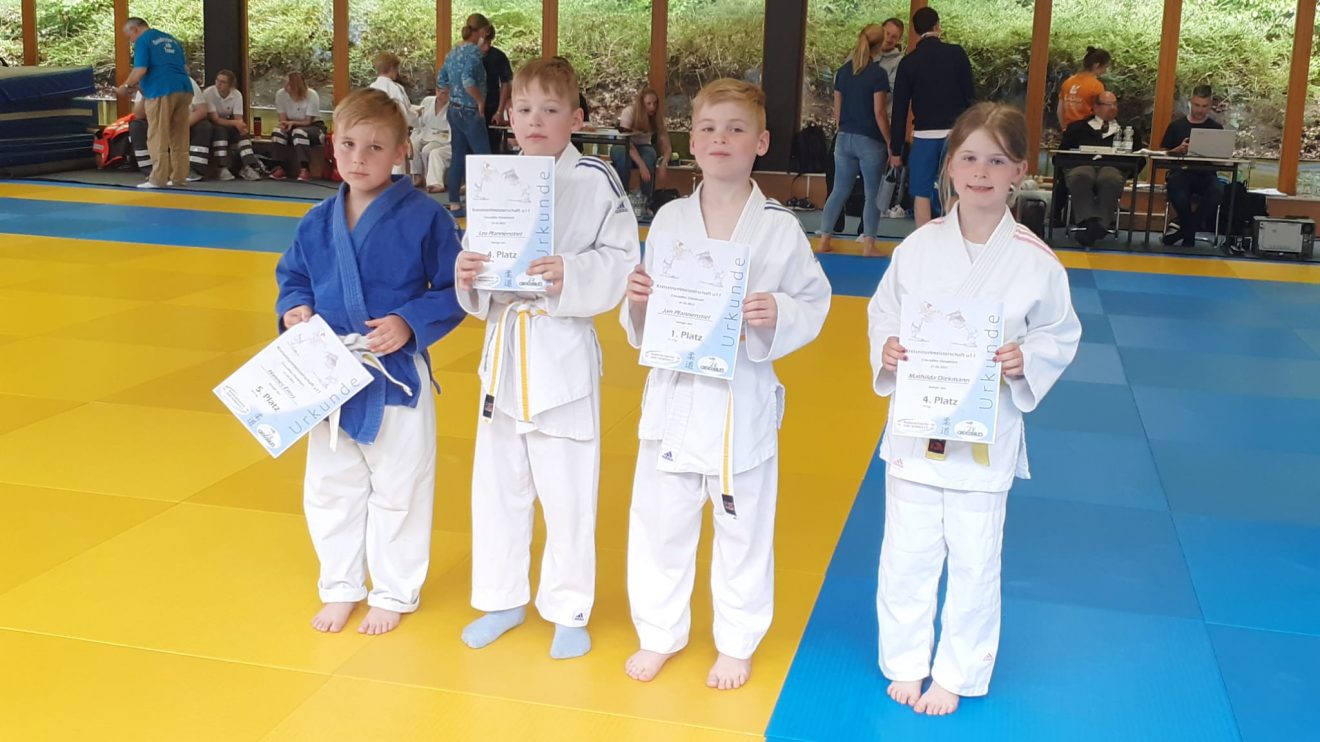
(492, 626)
(570, 642)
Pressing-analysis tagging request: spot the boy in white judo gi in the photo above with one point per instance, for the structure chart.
(376, 261)
(948, 498)
(387, 81)
(538, 437)
(709, 439)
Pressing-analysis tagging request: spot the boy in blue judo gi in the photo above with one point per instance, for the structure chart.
(376, 261)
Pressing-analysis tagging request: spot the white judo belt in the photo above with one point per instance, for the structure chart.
(357, 345)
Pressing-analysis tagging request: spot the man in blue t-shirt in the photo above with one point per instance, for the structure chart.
(160, 72)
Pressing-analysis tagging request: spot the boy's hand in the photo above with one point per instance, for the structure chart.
(297, 316)
(551, 270)
(1010, 360)
(644, 174)
(468, 267)
(760, 310)
(388, 334)
(639, 287)
(892, 354)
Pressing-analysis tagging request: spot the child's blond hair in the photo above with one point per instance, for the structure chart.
(729, 90)
(554, 76)
(369, 105)
(1006, 126)
(385, 61)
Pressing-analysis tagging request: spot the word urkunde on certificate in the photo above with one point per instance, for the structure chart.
(293, 384)
(510, 217)
(949, 386)
(694, 316)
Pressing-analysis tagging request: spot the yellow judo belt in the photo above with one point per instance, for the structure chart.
(726, 461)
(524, 314)
(935, 450)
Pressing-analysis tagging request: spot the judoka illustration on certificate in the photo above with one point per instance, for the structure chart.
(949, 386)
(694, 318)
(298, 380)
(510, 217)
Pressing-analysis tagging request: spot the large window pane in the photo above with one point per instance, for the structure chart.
(181, 19)
(1130, 31)
(402, 27)
(79, 32)
(608, 42)
(1242, 49)
(289, 36)
(11, 32)
(710, 39)
(517, 25)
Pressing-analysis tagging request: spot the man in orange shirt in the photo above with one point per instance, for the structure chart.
(1078, 93)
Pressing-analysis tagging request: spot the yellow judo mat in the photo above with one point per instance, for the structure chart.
(157, 578)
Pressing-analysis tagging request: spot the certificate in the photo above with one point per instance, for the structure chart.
(293, 384)
(694, 316)
(949, 386)
(510, 217)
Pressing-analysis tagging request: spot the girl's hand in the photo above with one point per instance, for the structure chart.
(639, 287)
(468, 267)
(892, 354)
(1010, 360)
(761, 310)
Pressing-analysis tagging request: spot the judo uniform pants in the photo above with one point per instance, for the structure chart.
(432, 160)
(510, 471)
(369, 507)
(664, 526)
(922, 525)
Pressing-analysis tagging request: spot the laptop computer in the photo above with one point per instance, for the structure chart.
(1217, 143)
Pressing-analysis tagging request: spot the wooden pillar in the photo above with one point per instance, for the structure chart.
(30, 33)
(444, 30)
(339, 50)
(123, 60)
(549, 28)
(1291, 150)
(1038, 69)
(224, 31)
(1166, 78)
(912, 35)
(659, 46)
(784, 48)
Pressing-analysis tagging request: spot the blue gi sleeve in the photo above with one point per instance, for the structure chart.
(295, 282)
(436, 311)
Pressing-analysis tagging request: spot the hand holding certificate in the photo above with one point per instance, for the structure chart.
(292, 384)
(510, 217)
(948, 388)
(695, 310)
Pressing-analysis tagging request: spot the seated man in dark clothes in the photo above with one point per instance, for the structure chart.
(1095, 188)
(1182, 184)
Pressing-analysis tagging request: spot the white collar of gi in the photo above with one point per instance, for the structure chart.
(568, 159)
(755, 204)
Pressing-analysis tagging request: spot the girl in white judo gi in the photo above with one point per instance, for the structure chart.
(376, 262)
(387, 82)
(948, 499)
(538, 437)
(710, 439)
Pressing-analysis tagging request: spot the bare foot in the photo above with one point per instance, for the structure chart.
(825, 245)
(905, 692)
(868, 248)
(937, 701)
(728, 673)
(644, 665)
(379, 621)
(435, 189)
(332, 617)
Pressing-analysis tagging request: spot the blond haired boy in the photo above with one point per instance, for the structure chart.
(541, 440)
(692, 426)
(376, 262)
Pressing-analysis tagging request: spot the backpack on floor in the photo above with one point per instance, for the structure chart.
(331, 168)
(111, 145)
(810, 151)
